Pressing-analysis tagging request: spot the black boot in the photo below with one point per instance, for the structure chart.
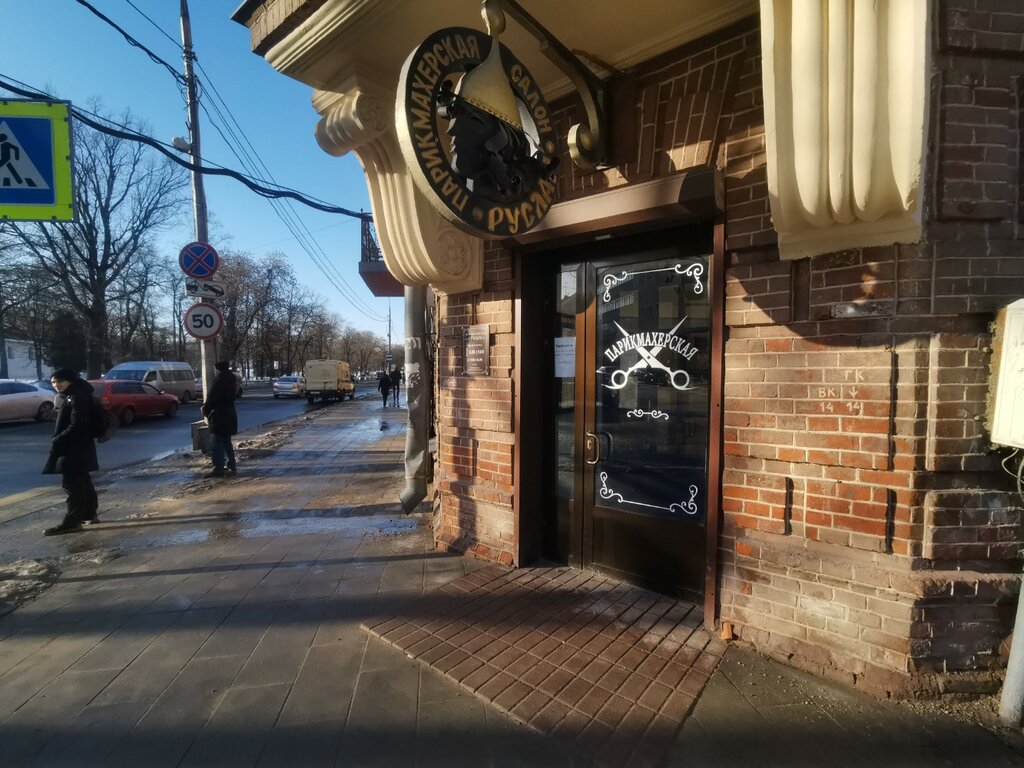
(62, 528)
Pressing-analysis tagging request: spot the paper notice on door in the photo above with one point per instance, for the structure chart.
(565, 357)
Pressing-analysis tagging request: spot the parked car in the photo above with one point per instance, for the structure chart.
(128, 400)
(175, 378)
(290, 386)
(19, 400)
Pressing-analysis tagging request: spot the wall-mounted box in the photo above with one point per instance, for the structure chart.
(1006, 383)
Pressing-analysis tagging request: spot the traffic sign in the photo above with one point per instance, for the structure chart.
(198, 260)
(389, 358)
(35, 161)
(203, 321)
(206, 289)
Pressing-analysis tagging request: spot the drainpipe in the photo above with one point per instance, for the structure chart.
(1011, 703)
(418, 390)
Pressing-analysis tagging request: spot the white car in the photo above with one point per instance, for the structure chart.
(290, 386)
(20, 401)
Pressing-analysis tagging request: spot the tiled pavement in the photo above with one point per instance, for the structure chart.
(228, 634)
(611, 669)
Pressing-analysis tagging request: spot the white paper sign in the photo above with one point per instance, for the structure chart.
(565, 357)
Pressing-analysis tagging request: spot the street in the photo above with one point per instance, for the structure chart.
(24, 445)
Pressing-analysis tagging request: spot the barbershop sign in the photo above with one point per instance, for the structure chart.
(476, 133)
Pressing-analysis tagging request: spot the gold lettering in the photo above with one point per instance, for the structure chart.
(460, 46)
(474, 48)
(494, 217)
(424, 69)
(421, 100)
(513, 220)
(515, 72)
(419, 84)
(439, 54)
(449, 51)
(431, 157)
(431, 59)
(422, 121)
(527, 212)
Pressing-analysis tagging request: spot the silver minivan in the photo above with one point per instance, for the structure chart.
(174, 378)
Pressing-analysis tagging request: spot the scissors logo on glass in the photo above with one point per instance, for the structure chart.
(678, 378)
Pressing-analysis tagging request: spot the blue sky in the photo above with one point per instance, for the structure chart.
(60, 47)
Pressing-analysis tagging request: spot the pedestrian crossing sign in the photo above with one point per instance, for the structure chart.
(35, 161)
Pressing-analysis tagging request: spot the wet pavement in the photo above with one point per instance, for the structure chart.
(218, 622)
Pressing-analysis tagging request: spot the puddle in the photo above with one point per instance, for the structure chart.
(355, 526)
(298, 523)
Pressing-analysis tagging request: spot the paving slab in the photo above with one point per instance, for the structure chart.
(207, 623)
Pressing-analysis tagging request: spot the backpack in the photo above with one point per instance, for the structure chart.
(103, 424)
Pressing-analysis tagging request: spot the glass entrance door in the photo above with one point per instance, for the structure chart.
(642, 441)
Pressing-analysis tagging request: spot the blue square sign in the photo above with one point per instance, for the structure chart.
(35, 161)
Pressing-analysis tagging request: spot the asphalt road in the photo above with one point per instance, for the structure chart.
(24, 445)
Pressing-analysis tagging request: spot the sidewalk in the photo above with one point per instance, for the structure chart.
(220, 622)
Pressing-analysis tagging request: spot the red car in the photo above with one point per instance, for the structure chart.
(127, 400)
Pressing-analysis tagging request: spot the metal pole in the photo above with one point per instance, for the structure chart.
(1011, 702)
(206, 350)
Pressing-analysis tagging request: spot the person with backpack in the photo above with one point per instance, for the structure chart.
(219, 410)
(73, 450)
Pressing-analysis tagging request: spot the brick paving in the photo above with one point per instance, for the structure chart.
(610, 668)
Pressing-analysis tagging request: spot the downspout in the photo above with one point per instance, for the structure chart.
(418, 390)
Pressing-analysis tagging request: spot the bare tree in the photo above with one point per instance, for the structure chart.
(123, 196)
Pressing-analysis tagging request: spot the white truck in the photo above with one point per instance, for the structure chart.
(328, 380)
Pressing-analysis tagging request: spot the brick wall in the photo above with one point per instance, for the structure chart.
(475, 421)
(866, 531)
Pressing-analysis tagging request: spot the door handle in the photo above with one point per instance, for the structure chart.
(593, 449)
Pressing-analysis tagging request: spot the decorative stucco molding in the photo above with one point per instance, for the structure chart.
(419, 246)
(844, 103)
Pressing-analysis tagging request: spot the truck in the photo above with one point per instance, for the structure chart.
(328, 380)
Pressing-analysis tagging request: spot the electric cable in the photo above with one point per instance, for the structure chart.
(283, 212)
(208, 169)
(133, 42)
(294, 224)
(158, 27)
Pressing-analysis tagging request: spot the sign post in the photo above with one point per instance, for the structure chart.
(35, 161)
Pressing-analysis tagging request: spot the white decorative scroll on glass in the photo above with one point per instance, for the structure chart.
(691, 270)
(684, 507)
(639, 413)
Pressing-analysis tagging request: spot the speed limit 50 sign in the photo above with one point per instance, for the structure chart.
(203, 321)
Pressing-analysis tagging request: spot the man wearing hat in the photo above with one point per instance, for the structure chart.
(219, 410)
(73, 451)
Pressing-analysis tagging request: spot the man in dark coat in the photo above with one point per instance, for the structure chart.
(384, 386)
(219, 410)
(396, 385)
(73, 451)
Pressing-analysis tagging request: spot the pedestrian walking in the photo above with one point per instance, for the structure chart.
(73, 451)
(219, 410)
(384, 386)
(396, 386)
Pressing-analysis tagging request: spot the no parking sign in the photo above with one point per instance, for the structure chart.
(203, 321)
(198, 260)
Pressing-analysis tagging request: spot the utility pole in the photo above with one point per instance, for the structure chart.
(206, 348)
(388, 357)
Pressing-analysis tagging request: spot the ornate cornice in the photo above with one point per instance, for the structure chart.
(419, 246)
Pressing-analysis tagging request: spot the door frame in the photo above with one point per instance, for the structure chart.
(529, 503)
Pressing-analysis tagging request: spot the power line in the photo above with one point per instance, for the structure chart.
(133, 42)
(210, 169)
(292, 222)
(252, 162)
(158, 27)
